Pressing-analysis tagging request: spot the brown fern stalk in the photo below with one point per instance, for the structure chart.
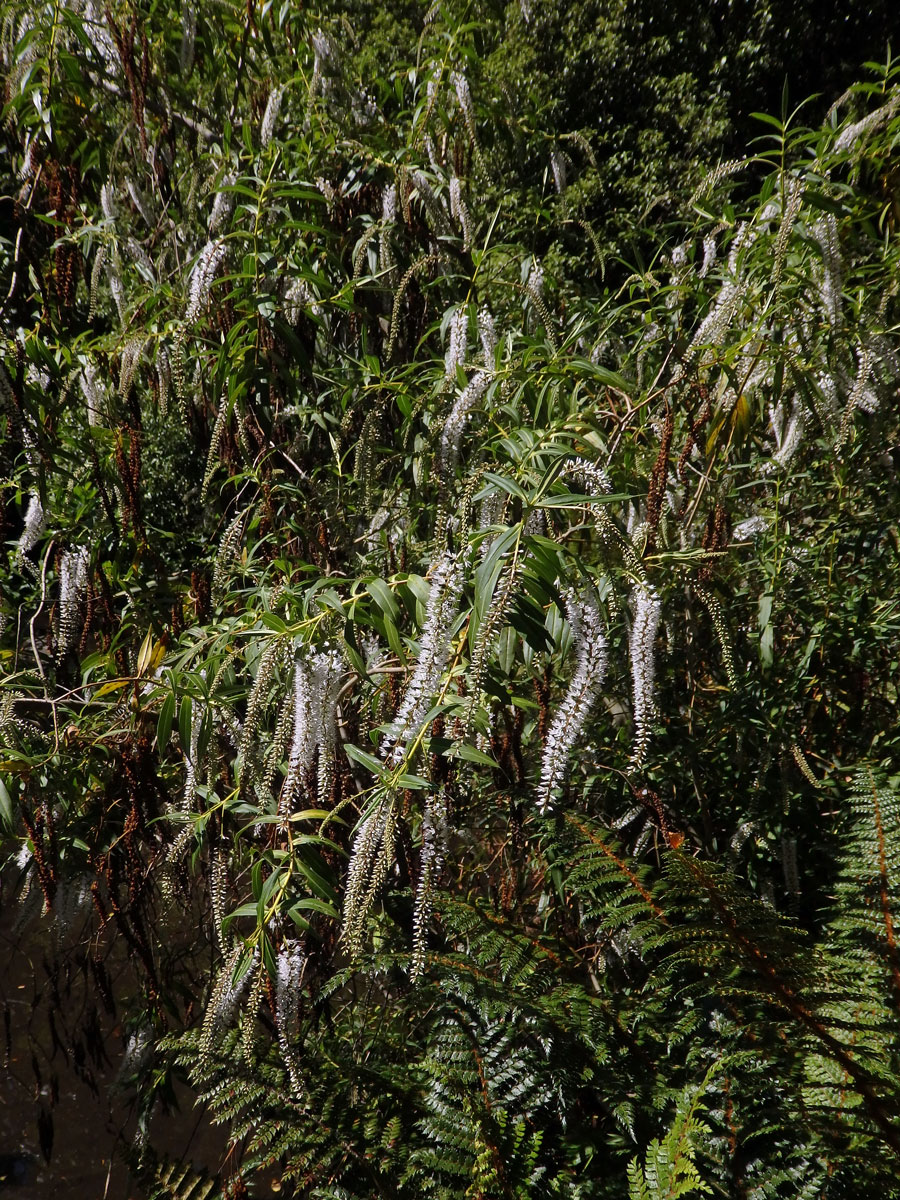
(762, 965)
(620, 865)
(884, 892)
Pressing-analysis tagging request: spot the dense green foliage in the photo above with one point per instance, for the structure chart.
(456, 663)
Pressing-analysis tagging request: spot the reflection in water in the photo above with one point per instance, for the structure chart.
(67, 1107)
(15, 1170)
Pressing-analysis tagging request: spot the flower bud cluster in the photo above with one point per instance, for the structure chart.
(431, 860)
(331, 192)
(188, 37)
(587, 475)
(34, 527)
(29, 162)
(129, 363)
(192, 764)
(750, 528)
(208, 262)
(886, 362)
(116, 286)
(108, 201)
(10, 721)
(680, 256)
(535, 284)
(825, 232)
(535, 523)
(297, 297)
(273, 655)
(715, 325)
(218, 893)
(270, 116)
(454, 426)
(229, 549)
(487, 334)
(788, 430)
(389, 204)
(863, 396)
(323, 48)
(324, 56)
(440, 612)
(223, 203)
(388, 218)
(289, 976)
(226, 997)
(73, 582)
(464, 97)
(370, 859)
(558, 167)
(101, 40)
(717, 616)
(643, 664)
(709, 255)
(858, 129)
(459, 212)
(584, 619)
(456, 350)
(316, 686)
(291, 960)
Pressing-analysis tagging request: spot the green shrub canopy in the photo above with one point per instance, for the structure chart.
(478, 646)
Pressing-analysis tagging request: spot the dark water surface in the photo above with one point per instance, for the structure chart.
(65, 1108)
